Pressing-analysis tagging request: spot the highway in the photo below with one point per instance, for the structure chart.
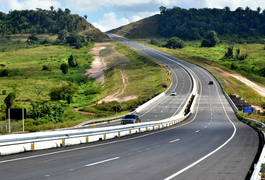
(210, 144)
(169, 105)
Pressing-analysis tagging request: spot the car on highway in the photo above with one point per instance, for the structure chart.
(130, 119)
(210, 82)
(173, 93)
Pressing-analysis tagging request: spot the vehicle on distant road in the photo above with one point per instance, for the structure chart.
(173, 93)
(210, 82)
(130, 119)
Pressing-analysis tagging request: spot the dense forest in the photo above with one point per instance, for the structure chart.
(194, 23)
(41, 21)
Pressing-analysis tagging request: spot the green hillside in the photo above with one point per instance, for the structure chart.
(145, 28)
(239, 25)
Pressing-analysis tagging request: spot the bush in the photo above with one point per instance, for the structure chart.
(175, 42)
(71, 61)
(64, 92)
(45, 111)
(4, 92)
(4, 72)
(211, 40)
(64, 67)
(46, 68)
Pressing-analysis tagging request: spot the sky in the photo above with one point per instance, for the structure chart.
(110, 14)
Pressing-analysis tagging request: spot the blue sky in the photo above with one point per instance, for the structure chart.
(110, 14)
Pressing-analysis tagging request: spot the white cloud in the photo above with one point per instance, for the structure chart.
(142, 15)
(28, 4)
(110, 21)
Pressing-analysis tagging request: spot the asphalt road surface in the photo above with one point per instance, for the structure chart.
(210, 144)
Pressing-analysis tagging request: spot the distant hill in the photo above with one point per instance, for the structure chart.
(193, 24)
(145, 28)
(43, 21)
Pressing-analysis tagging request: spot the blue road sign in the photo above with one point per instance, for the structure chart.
(248, 110)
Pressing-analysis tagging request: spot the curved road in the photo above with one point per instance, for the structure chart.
(210, 144)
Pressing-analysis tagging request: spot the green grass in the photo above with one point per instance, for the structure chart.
(32, 84)
(201, 56)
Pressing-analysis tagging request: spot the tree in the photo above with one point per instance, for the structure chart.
(175, 42)
(9, 100)
(62, 35)
(162, 9)
(67, 11)
(64, 67)
(211, 40)
(33, 38)
(85, 16)
(84, 27)
(64, 92)
(229, 53)
(71, 61)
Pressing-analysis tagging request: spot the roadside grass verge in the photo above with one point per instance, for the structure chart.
(231, 85)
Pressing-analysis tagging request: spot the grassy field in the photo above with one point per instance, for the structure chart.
(33, 84)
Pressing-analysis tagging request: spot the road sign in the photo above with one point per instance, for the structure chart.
(248, 110)
(16, 114)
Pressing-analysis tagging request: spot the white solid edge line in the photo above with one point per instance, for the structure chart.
(100, 162)
(198, 161)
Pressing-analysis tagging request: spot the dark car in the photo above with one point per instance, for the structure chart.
(130, 119)
(210, 82)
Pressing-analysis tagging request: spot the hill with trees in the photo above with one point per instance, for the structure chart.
(41, 21)
(194, 24)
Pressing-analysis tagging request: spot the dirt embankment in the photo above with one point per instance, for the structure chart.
(101, 64)
(256, 87)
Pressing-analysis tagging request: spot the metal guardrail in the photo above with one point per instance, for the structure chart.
(100, 120)
(61, 135)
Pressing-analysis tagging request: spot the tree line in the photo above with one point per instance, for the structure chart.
(194, 24)
(41, 21)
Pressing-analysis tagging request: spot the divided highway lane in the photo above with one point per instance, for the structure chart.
(210, 144)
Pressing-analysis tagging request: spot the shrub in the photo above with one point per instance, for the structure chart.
(64, 67)
(175, 42)
(4, 72)
(71, 61)
(4, 92)
(46, 68)
(211, 40)
(64, 92)
(9, 100)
